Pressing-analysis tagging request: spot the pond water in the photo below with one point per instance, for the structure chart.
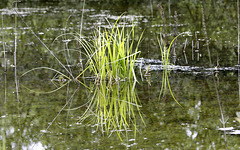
(204, 77)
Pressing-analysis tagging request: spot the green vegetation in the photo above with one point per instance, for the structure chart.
(111, 54)
(165, 52)
(110, 58)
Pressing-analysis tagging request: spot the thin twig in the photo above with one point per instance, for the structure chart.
(50, 124)
(15, 56)
(45, 45)
(184, 52)
(4, 48)
(238, 33)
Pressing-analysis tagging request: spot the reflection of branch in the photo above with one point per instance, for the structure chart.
(222, 120)
(238, 53)
(239, 84)
(50, 124)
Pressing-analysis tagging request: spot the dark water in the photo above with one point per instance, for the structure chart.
(33, 120)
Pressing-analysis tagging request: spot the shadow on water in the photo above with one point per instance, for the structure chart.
(203, 78)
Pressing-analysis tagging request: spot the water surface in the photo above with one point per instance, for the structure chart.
(32, 120)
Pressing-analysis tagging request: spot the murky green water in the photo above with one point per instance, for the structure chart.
(32, 120)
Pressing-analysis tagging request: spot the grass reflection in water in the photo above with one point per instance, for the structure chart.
(113, 108)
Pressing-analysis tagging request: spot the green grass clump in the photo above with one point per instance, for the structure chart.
(111, 54)
(165, 52)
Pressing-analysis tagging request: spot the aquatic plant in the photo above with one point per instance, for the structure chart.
(111, 54)
(165, 52)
